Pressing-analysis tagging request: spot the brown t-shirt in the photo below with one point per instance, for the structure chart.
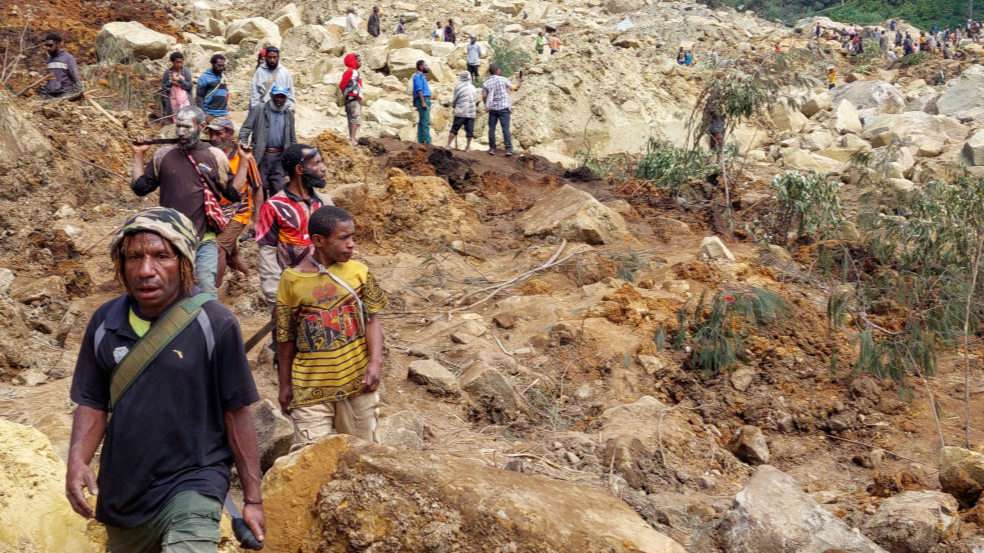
(181, 189)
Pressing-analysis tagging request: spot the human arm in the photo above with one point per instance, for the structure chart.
(245, 452)
(256, 89)
(144, 181)
(186, 79)
(285, 355)
(242, 172)
(73, 73)
(88, 428)
(289, 83)
(200, 92)
(374, 341)
(246, 131)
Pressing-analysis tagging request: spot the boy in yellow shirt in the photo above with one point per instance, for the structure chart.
(329, 339)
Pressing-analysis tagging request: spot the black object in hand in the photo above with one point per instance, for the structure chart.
(245, 536)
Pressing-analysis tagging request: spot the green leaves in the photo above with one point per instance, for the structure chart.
(671, 167)
(807, 206)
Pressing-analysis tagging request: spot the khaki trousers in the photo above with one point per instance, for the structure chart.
(356, 415)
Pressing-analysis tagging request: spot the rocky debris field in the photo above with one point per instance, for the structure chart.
(530, 400)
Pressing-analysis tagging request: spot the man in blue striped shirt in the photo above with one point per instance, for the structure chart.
(212, 95)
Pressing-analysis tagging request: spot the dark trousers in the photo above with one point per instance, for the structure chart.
(473, 69)
(500, 116)
(271, 172)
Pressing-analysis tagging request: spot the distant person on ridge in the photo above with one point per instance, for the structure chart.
(498, 104)
(422, 101)
(474, 56)
(351, 21)
(554, 44)
(351, 85)
(372, 27)
(438, 33)
(449, 33)
(463, 103)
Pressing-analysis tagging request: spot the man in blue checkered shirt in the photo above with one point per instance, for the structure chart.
(495, 94)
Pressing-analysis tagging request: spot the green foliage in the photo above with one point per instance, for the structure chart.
(616, 167)
(628, 264)
(922, 13)
(510, 57)
(716, 330)
(669, 166)
(807, 205)
(864, 61)
(915, 58)
(912, 280)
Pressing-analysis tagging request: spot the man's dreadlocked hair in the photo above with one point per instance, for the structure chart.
(292, 157)
(187, 270)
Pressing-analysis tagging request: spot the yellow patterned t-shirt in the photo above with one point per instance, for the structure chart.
(321, 317)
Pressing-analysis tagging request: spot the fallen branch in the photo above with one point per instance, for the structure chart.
(890, 452)
(46, 78)
(496, 289)
(100, 167)
(104, 112)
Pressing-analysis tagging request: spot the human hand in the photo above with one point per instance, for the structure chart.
(374, 374)
(80, 476)
(139, 148)
(255, 519)
(245, 150)
(285, 396)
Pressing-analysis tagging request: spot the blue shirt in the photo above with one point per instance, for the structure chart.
(474, 53)
(420, 84)
(275, 136)
(212, 95)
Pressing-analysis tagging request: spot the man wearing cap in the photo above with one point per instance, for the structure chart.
(180, 421)
(269, 130)
(474, 56)
(192, 175)
(267, 76)
(351, 85)
(245, 177)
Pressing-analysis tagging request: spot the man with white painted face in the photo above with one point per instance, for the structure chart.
(191, 175)
(268, 75)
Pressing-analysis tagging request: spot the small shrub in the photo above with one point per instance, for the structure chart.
(616, 167)
(508, 56)
(719, 328)
(914, 58)
(807, 204)
(669, 166)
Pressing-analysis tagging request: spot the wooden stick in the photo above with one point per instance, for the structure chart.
(104, 112)
(34, 84)
(496, 289)
(877, 447)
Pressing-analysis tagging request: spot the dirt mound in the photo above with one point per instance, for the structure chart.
(78, 23)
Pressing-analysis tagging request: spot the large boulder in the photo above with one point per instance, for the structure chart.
(287, 18)
(433, 376)
(772, 513)
(35, 516)
(815, 102)
(346, 494)
(402, 63)
(255, 28)
(750, 446)
(973, 149)
(964, 97)
(130, 40)
(962, 474)
(913, 522)
(390, 114)
(18, 137)
(788, 118)
(845, 118)
(913, 127)
(798, 158)
(870, 97)
(508, 8)
(575, 215)
(303, 40)
(491, 394)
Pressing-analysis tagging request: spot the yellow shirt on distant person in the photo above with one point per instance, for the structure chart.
(321, 317)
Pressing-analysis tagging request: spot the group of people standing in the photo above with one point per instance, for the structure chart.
(936, 41)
